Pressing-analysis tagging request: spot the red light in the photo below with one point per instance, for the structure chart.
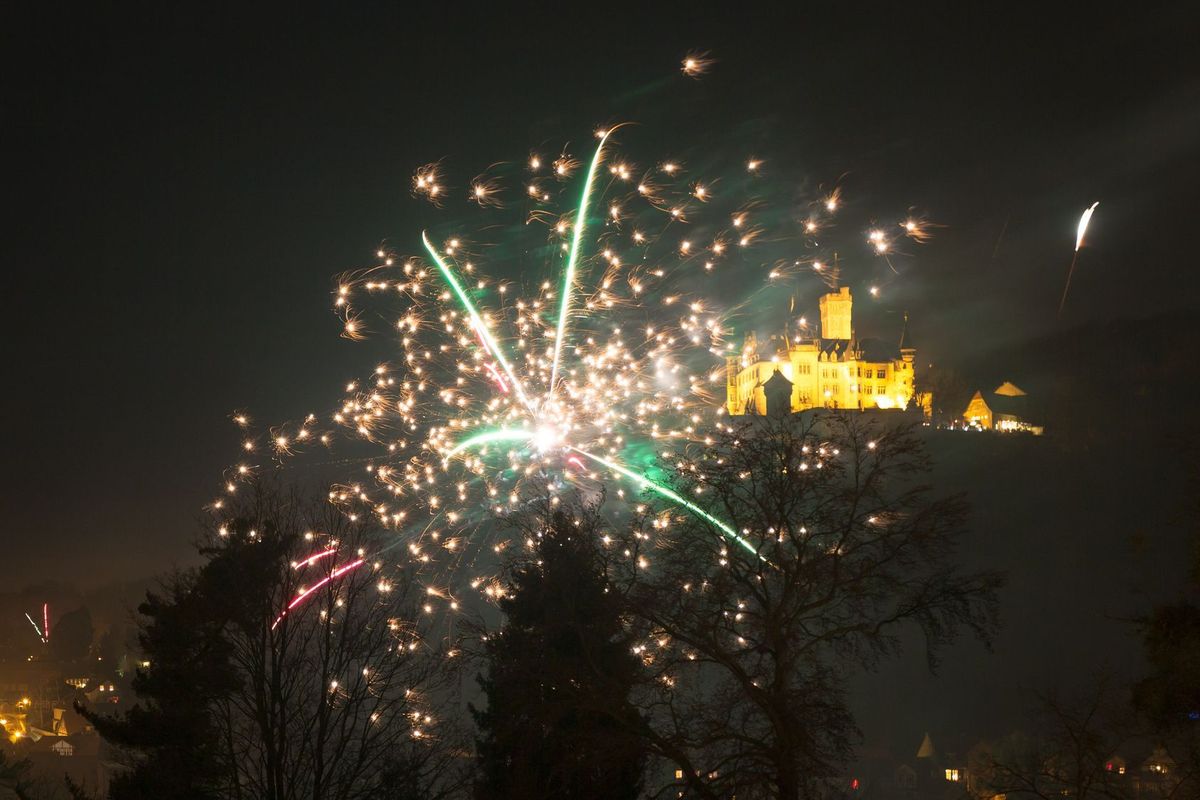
(854, 783)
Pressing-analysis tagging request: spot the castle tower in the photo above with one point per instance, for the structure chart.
(733, 365)
(835, 314)
(777, 391)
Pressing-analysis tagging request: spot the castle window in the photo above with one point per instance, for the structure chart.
(881, 373)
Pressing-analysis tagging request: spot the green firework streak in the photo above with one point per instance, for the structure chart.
(487, 437)
(670, 494)
(564, 307)
(489, 340)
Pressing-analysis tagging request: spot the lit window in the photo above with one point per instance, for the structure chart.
(951, 774)
(678, 774)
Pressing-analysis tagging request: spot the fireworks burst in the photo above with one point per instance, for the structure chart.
(580, 342)
(696, 64)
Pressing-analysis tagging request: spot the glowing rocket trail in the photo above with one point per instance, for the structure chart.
(41, 635)
(564, 307)
(1083, 224)
(1080, 231)
(485, 335)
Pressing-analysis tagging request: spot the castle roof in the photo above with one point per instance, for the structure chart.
(833, 347)
(1006, 404)
(777, 378)
(878, 351)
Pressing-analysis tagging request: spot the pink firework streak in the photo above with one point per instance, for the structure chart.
(313, 558)
(497, 377)
(488, 366)
(337, 573)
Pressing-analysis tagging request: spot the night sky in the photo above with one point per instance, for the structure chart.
(182, 188)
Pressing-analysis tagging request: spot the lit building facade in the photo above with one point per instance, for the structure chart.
(834, 370)
(1003, 409)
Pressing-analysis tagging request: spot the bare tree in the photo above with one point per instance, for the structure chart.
(341, 693)
(1072, 750)
(831, 546)
(291, 665)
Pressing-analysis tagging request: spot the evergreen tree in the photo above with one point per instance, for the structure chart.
(559, 722)
(14, 777)
(72, 636)
(171, 735)
(251, 695)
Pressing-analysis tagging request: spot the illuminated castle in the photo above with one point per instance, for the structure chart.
(834, 370)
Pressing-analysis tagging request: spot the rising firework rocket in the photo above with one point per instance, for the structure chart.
(1080, 230)
(40, 633)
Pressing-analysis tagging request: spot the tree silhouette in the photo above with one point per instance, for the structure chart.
(72, 636)
(750, 640)
(1068, 751)
(559, 722)
(340, 697)
(1168, 695)
(170, 739)
(14, 778)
